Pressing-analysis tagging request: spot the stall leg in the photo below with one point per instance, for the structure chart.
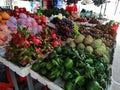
(30, 83)
(14, 80)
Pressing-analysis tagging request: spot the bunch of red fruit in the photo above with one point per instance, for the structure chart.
(50, 40)
(26, 47)
(41, 20)
(80, 20)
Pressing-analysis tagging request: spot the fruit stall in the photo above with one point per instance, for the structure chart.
(58, 47)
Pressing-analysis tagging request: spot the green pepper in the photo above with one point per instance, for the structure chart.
(68, 63)
(52, 55)
(90, 71)
(93, 85)
(69, 85)
(99, 66)
(35, 67)
(89, 61)
(49, 65)
(43, 71)
(76, 72)
(79, 80)
(67, 75)
(58, 49)
(54, 62)
(55, 73)
(103, 83)
(59, 60)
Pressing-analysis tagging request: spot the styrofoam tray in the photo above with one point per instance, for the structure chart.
(45, 81)
(22, 71)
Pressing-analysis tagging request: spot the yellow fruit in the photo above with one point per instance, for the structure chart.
(5, 15)
(59, 16)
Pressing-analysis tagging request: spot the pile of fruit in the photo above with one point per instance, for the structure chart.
(64, 27)
(23, 17)
(26, 47)
(94, 21)
(89, 44)
(25, 22)
(104, 32)
(5, 35)
(76, 68)
(81, 20)
(3, 17)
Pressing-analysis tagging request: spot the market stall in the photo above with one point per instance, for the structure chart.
(58, 47)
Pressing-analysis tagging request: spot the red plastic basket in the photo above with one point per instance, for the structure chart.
(9, 85)
(115, 27)
(72, 9)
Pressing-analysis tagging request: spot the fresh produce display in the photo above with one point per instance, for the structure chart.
(55, 11)
(59, 47)
(104, 32)
(77, 68)
(65, 28)
(25, 47)
(90, 45)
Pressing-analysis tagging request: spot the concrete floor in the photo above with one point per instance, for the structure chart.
(116, 64)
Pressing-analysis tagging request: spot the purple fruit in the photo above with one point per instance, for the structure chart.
(23, 16)
(13, 20)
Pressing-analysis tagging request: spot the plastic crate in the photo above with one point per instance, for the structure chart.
(9, 85)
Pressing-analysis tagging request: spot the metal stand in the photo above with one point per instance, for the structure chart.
(14, 79)
(30, 83)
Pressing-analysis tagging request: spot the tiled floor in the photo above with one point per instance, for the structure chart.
(116, 65)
